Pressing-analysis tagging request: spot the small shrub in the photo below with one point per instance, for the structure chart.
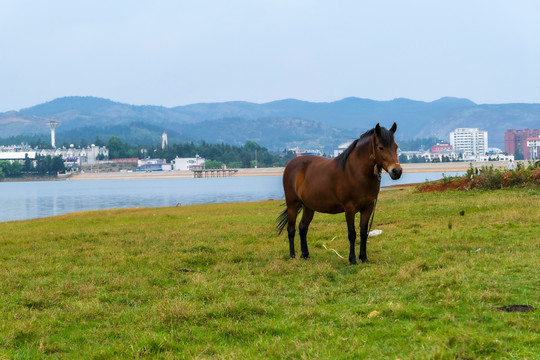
(491, 179)
(487, 179)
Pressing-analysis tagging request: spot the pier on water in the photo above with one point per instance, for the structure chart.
(200, 173)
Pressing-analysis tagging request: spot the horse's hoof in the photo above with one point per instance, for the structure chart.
(293, 256)
(365, 261)
(305, 257)
(353, 262)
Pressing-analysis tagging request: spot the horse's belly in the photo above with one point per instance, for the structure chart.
(322, 202)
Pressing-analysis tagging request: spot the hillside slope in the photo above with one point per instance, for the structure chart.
(276, 124)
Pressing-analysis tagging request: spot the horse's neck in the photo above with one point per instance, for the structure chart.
(362, 160)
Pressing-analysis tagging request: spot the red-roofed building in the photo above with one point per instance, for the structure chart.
(440, 148)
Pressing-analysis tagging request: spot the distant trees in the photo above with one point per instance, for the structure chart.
(245, 156)
(49, 165)
(249, 155)
(45, 165)
(118, 149)
(10, 170)
(416, 144)
(414, 159)
(518, 155)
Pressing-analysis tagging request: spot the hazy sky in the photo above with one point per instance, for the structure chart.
(173, 52)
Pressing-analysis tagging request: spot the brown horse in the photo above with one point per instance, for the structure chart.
(348, 183)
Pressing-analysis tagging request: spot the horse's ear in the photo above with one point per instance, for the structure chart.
(378, 130)
(393, 128)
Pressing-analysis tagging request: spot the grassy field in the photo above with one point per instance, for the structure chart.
(214, 281)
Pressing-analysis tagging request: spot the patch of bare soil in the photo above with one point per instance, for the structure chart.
(516, 308)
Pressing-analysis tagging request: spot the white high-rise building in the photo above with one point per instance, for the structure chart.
(469, 141)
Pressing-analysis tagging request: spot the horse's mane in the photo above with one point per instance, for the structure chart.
(387, 138)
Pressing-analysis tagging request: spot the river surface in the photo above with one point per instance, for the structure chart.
(36, 199)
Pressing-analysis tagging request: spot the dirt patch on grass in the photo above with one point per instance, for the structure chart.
(517, 308)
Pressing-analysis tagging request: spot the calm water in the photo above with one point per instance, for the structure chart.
(35, 199)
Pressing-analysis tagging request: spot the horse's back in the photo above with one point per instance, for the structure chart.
(297, 169)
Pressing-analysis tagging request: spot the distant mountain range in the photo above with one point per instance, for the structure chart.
(276, 125)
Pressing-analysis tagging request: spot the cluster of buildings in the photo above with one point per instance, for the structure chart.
(466, 144)
(524, 143)
(471, 144)
(75, 158)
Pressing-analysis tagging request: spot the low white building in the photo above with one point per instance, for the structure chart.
(184, 164)
(341, 148)
(154, 165)
(17, 155)
(484, 158)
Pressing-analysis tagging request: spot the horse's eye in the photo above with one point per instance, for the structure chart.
(381, 148)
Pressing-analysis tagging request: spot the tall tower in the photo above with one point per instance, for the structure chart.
(164, 141)
(52, 125)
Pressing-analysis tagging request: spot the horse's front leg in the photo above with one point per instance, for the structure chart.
(303, 229)
(349, 216)
(364, 222)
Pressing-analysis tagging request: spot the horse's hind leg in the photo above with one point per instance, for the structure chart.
(292, 213)
(307, 216)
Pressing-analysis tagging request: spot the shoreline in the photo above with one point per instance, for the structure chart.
(277, 171)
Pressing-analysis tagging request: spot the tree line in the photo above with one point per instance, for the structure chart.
(45, 166)
(248, 155)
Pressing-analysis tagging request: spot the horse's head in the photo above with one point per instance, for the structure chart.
(385, 151)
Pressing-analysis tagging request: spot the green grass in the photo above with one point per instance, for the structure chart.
(214, 281)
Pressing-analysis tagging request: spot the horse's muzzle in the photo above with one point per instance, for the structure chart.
(395, 171)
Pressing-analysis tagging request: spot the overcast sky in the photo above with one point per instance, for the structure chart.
(161, 52)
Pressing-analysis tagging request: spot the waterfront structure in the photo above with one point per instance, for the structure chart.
(184, 164)
(469, 141)
(154, 165)
(515, 141)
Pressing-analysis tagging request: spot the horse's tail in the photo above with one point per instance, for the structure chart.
(282, 221)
